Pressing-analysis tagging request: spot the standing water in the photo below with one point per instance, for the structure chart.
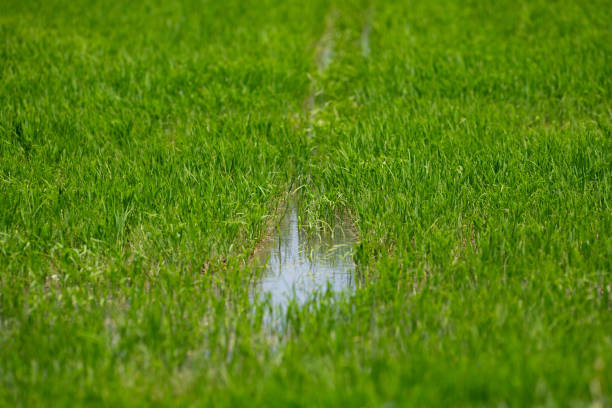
(298, 265)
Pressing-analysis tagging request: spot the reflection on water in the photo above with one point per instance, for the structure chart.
(297, 265)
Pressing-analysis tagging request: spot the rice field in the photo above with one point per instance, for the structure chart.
(456, 154)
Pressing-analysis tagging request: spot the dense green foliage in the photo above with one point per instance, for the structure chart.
(144, 147)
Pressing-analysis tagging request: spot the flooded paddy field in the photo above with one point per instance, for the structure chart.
(145, 146)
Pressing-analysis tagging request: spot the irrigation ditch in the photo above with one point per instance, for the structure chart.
(292, 264)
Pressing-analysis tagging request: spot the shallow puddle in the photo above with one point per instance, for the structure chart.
(298, 265)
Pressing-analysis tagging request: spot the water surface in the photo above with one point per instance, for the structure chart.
(299, 265)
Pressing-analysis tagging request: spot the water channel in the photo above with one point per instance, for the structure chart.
(298, 265)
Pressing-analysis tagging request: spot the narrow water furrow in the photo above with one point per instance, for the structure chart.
(365, 33)
(297, 265)
(324, 54)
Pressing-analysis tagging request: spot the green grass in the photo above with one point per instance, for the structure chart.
(144, 147)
